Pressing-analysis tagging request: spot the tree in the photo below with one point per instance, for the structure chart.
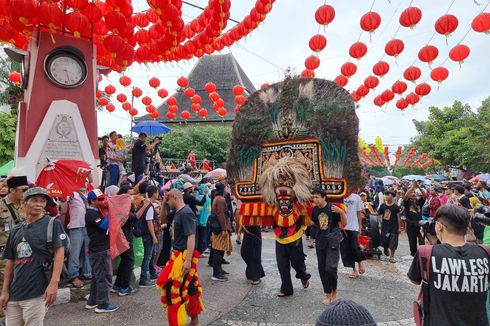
(457, 136)
(207, 141)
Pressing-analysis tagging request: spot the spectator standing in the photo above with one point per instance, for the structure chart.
(413, 214)
(221, 242)
(443, 197)
(390, 225)
(483, 191)
(30, 286)
(202, 220)
(79, 239)
(458, 273)
(139, 152)
(113, 160)
(463, 201)
(434, 202)
(191, 200)
(99, 254)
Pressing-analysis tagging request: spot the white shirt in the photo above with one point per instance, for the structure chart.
(150, 213)
(77, 211)
(354, 204)
(381, 198)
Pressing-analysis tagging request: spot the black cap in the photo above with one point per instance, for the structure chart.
(17, 182)
(142, 134)
(345, 312)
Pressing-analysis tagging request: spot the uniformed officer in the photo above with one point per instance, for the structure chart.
(10, 215)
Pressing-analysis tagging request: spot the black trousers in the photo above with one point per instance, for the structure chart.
(328, 261)
(251, 252)
(101, 263)
(166, 248)
(350, 249)
(201, 236)
(413, 233)
(217, 256)
(125, 268)
(287, 256)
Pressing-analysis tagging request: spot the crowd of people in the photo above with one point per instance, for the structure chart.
(196, 220)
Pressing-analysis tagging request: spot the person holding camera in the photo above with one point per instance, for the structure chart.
(139, 151)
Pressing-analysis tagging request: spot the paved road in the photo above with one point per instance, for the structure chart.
(384, 290)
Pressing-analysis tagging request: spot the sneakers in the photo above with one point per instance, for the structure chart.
(223, 272)
(146, 283)
(115, 289)
(153, 277)
(128, 290)
(108, 308)
(225, 262)
(219, 278)
(90, 306)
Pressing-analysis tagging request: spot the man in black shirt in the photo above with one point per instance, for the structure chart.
(462, 199)
(99, 253)
(458, 273)
(102, 151)
(191, 200)
(326, 217)
(413, 204)
(139, 155)
(390, 225)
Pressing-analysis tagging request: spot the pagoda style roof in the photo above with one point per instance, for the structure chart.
(222, 70)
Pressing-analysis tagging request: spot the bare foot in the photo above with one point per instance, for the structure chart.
(354, 274)
(327, 301)
(333, 296)
(362, 268)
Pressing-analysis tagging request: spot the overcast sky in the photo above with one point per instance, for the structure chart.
(282, 41)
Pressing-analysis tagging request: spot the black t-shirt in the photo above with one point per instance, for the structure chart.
(389, 214)
(326, 222)
(465, 202)
(184, 225)
(99, 238)
(30, 252)
(102, 156)
(139, 156)
(413, 209)
(191, 201)
(458, 285)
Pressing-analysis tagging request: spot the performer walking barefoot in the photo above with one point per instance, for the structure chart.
(251, 252)
(327, 217)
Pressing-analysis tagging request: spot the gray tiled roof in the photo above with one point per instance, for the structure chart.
(225, 72)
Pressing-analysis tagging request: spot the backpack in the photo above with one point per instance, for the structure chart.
(421, 305)
(213, 224)
(140, 227)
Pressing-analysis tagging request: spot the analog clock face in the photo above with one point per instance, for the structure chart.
(66, 70)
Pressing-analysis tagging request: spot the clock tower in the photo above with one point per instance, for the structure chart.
(57, 118)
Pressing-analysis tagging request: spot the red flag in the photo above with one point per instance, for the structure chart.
(119, 207)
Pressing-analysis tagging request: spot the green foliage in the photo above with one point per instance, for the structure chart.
(457, 136)
(377, 171)
(207, 141)
(400, 172)
(8, 122)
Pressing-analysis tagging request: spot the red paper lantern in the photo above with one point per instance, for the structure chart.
(22, 11)
(481, 23)
(240, 99)
(312, 62)
(195, 107)
(324, 15)
(172, 101)
(137, 92)
(238, 90)
(109, 89)
(210, 87)
(362, 91)
(439, 74)
(446, 24)
(412, 98)
(394, 47)
(115, 21)
(146, 100)
(307, 73)
(410, 17)
(154, 114)
(203, 113)
(387, 96)
(170, 115)
(121, 98)
(125, 81)
(348, 69)
(399, 87)
(222, 112)
(185, 115)
(341, 80)
(189, 92)
(77, 23)
(381, 68)
(371, 82)
(412, 73)
(401, 104)
(220, 103)
(378, 101)
(15, 77)
(92, 12)
(428, 53)
(317, 43)
(162, 92)
(459, 53)
(150, 108)
(358, 50)
(182, 82)
(264, 86)
(98, 93)
(370, 21)
(154, 82)
(196, 99)
(110, 107)
(214, 96)
(103, 101)
(355, 97)
(126, 106)
(422, 89)
(50, 15)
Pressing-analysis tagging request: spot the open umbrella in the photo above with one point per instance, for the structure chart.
(150, 127)
(484, 177)
(63, 177)
(216, 174)
(414, 177)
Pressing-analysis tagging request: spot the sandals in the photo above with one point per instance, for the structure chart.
(305, 283)
(282, 295)
(256, 282)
